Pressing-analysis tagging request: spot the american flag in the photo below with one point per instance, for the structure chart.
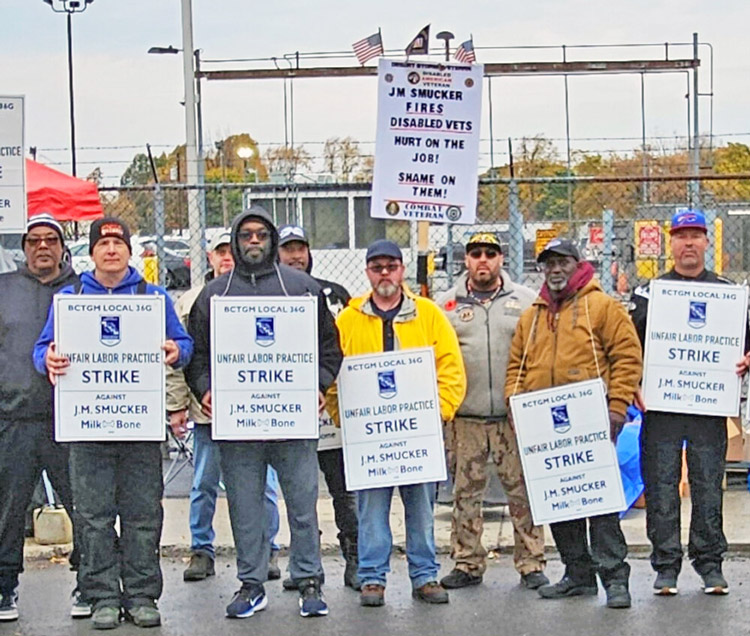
(465, 53)
(368, 48)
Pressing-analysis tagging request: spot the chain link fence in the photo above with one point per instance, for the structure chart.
(620, 225)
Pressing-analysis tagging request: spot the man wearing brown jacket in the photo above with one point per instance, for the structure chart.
(575, 332)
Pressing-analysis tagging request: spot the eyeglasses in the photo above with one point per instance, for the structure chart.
(36, 241)
(479, 252)
(389, 268)
(247, 235)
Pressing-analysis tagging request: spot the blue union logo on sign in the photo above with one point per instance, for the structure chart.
(265, 334)
(109, 330)
(697, 314)
(387, 384)
(560, 419)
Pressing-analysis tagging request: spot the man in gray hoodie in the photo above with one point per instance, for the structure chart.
(27, 442)
(484, 307)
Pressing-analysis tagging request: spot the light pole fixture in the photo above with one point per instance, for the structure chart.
(69, 7)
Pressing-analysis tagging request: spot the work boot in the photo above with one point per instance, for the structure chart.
(201, 566)
(618, 596)
(106, 617)
(533, 580)
(349, 548)
(458, 578)
(568, 587)
(274, 571)
(431, 592)
(146, 615)
(372, 595)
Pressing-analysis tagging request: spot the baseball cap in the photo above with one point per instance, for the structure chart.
(688, 218)
(44, 219)
(484, 239)
(108, 227)
(289, 233)
(220, 239)
(383, 247)
(562, 247)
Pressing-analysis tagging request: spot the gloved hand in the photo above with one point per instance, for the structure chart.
(616, 422)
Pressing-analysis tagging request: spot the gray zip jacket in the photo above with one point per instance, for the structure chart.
(484, 333)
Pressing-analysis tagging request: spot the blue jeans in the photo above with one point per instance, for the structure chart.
(244, 465)
(376, 541)
(206, 487)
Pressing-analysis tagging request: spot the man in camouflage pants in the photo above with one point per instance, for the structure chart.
(484, 307)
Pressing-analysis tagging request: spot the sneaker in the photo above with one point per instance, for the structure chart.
(567, 587)
(533, 580)
(274, 571)
(372, 595)
(250, 598)
(715, 583)
(144, 615)
(8, 608)
(666, 583)
(431, 592)
(618, 596)
(311, 601)
(201, 566)
(105, 617)
(80, 608)
(458, 578)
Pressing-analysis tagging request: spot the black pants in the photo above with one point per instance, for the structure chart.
(25, 449)
(331, 462)
(662, 439)
(111, 479)
(607, 554)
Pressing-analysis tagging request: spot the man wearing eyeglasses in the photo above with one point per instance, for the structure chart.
(484, 307)
(389, 318)
(254, 241)
(26, 424)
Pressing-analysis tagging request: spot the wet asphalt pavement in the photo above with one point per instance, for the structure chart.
(497, 607)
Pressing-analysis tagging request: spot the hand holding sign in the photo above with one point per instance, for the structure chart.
(56, 364)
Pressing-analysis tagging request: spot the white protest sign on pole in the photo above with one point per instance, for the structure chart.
(114, 388)
(427, 141)
(569, 463)
(264, 367)
(12, 166)
(695, 335)
(390, 418)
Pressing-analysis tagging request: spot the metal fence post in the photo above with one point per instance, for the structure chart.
(608, 228)
(710, 250)
(449, 254)
(515, 230)
(159, 229)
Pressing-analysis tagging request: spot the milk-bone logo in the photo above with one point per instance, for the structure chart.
(112, 229)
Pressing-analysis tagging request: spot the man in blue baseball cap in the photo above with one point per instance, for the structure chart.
(662, 440)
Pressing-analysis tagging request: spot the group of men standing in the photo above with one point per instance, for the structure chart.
(492, 339)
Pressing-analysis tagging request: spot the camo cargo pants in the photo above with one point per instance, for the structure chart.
(469, 442)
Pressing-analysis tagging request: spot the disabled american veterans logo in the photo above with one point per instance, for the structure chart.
(387, 384)
(697, 314)
(560, 418)
(265, 333)
(109, 330)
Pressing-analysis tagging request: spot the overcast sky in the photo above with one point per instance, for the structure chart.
(126, 98)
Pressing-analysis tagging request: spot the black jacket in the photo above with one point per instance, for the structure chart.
(639, 300)
(266, 279)
(25, 395)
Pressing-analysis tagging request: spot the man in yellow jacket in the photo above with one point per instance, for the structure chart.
(391, 318)
(574, 332)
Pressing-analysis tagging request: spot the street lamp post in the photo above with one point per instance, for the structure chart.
(69, 7)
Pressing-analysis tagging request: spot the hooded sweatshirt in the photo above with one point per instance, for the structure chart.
(268, 278)
(24, 394)
(128, 285)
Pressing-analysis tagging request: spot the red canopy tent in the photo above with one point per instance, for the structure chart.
(64, 197)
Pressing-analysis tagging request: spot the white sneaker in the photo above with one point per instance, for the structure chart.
(8, 608)
(80, 608)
